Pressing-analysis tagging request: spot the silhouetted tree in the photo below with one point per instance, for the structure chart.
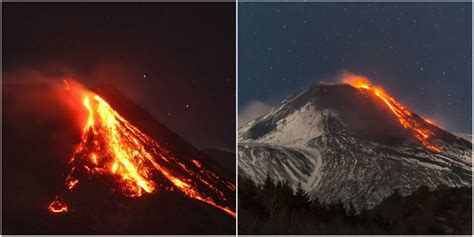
(301, 197)
(274, 208)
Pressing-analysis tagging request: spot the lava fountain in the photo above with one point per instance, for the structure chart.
(417, 128)
(111, 145)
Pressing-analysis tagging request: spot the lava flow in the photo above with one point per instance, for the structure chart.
(57, 206)
(111, 145)
(404, 116)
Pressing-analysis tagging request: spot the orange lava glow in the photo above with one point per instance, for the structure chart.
(197, 163)
(57, 206)
(417, 128)
(72, 183)
(111, 145)
(430, 121)
(66, 84)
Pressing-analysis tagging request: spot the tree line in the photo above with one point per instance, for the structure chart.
(274, 207)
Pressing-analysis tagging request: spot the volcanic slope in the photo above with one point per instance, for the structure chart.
(346, 144)
(41, 134)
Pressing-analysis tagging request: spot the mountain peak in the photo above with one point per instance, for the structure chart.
(306, 112)
(351, 143)
(361, 112)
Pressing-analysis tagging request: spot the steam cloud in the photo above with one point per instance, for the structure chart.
(252, 110)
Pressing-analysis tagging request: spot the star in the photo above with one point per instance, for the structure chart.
(355, 47)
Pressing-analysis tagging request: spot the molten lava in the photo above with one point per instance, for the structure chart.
(112, 146)
(57, 206)
(419, 130)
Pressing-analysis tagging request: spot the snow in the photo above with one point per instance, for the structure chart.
(296, 144)
(466, 136)
(297, 128)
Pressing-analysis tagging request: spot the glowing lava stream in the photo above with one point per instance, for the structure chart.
(404, 116)
(57, 206)
(111, 145)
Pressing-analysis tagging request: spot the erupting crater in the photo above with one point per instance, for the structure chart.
(111, 145)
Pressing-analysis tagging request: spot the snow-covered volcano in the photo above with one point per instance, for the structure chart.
(345, 144)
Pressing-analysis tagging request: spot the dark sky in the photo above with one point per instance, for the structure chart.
(177, 61)
(419, 52)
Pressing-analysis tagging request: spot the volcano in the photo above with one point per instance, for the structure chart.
(93, 162)
(351, 143)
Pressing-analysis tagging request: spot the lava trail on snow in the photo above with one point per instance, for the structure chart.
(417, 128)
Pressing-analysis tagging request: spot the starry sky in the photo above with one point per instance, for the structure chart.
(177, 61)
(419, 52)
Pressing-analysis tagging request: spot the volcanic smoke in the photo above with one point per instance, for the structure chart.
(418, 129)
(111, 145)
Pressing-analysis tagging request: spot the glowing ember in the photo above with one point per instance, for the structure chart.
(57, 206)
(404, 116)
(72, 183)
(112, 146)
(197, 163)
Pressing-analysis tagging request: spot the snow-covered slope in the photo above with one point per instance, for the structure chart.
(342, 143)
(466, 136)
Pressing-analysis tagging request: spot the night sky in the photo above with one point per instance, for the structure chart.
(419, 52)
(177, 61)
